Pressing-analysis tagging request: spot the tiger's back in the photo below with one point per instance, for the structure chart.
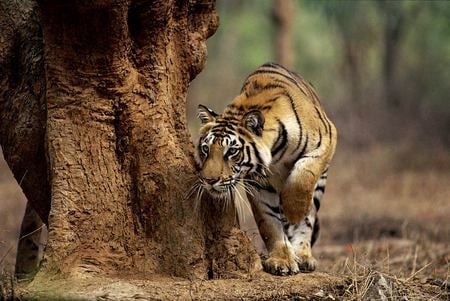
(296, 125)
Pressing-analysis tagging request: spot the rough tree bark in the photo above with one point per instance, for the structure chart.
(22, 116)
(93, 118)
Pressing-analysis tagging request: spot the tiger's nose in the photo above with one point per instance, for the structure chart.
(211, 181)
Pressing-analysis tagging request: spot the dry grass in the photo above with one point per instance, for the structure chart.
(7, 287)
(385, 223)
(385, 226)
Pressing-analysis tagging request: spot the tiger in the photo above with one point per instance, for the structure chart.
(274, 143)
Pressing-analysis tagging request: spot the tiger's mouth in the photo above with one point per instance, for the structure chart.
(219, 188)
(232, 190)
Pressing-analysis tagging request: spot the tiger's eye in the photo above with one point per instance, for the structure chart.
(205, 148)
(233, 151)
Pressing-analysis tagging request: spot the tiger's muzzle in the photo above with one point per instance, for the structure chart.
(217, 186)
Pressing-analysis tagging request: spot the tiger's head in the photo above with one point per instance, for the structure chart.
(230, 152)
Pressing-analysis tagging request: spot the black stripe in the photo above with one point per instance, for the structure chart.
(257, 89)
(274, 72)
(311, 156)
(296, 117)
(224, 126)
(244, 86)
(238, 164)
(325, 122)
(316, 230)
(330, 131)
(247, 151)
(321, 118)
(278, 66)
(320, 188)
(320, 139)
(258, 157)
(285, 85)
(292, 75)
(222, 132)
(239, 108)
(308, 222)
(232, 122)
(274, 215)
(316, 203)
(270, 101)
(271, 86)
(229, 120)
(296, 79)
(328, 123)
(270, 64)
(281, 141)
(243, 132)
(238, 113)
(201, 153)
(274, 209)
(302, 152)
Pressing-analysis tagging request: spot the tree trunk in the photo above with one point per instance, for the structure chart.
(106, 141)
(392, 35)
(22, 118)
(283, 13)
(352, 65)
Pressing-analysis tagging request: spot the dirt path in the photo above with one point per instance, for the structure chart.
(259, 287)
(314, 286)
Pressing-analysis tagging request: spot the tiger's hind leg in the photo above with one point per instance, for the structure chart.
(303, 235)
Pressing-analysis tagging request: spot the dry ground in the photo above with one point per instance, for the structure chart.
(385, 236)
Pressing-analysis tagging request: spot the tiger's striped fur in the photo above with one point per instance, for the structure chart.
(274, 142)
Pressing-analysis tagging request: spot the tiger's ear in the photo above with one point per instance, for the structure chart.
(254, 121)
(205, 114)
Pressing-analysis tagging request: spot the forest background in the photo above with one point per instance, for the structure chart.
(382, 70)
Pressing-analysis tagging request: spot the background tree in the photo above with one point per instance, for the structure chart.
(283, 14)
(341, 48)
(394, 25)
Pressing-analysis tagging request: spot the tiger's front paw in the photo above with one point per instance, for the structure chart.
(306, 261)
(307, 264)
(281, 266)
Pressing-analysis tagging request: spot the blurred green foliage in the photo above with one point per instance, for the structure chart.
(382, 68)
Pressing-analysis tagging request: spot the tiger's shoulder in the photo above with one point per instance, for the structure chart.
(291, 110)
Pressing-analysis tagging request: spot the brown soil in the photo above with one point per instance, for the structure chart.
(261, 286)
